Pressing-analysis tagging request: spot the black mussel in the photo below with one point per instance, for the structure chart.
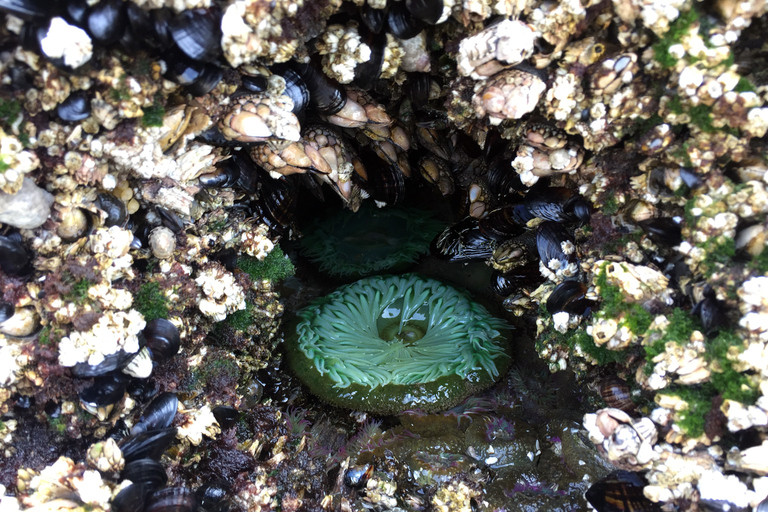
(620, 491)
(212, 495)
(418, 87)
(119, 432)
(690, 178)
(106, 21)
(105, 391)
(571, 297)
(170, 219)
(26, 8)
(255, 83)
(31, 34)
(663, 231)
(130, 41)
(162, 338)
(358, 476)
(373, 19)
(228, 258)
(75, 108)
(75, 11)
(171, 499)
(296, 89)
(428, 11)
(551, 238)
(516, 252)
(385, 183)
(14, 259)
(711, 311)
(762, 506)
(615, 393)
(160, 19)
(147, 472)
(504, 223)
(277, 201)
(224, 176)
(463, 242)
(507, 283)
(326, 95)
(197, 77)
(130, 499)
(110, 362)
(6, 311)
(158, 414)
(402, 24)
(24, 323)
(113, 207)
(368, 72)
(147, 445)
(140, 23)
(226, 416)
(197, 33)
(558, 204)
(503, 181)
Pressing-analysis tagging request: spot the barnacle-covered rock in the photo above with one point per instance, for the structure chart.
(509, 94)
(200, 422)
(621, 438)
(342, 51)
(114, 331)
(504, 44)
(221, 295)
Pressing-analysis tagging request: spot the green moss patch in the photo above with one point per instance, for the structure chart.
(151, 302)
(674, 35)
(275, 267)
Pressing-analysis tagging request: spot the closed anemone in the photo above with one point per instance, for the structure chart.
(369, 241)
(385, 344)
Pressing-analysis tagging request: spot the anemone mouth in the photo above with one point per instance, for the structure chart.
(387, 334)
(369, 241)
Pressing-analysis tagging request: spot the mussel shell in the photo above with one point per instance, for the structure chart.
(418, 86)
(358, 476)
(569, 296)
(296, 89)
(105, 390)
(366, 73)
(171, 499)
(620, 491)
(14, 259)
(26, 9)
(557, 204)
(503, 181)
(197, 33)
(373, 19)
(24, 324)
(505, 222)
(463, 242)
(326, 95)
(197, 77)
(385, 183)
(110, 362)
(402, 24)
(113, 207)
(507, 283)
(277, 201)
(158, 414)
(140, 23)
(106, 21)
(690, 178)
(428, 11)
(254, 83)
(147, 472)
(549, 237)
(130, 499)
(6, 311)
(75, 108)
(163, 339)
(170, 219)
(228, 258)
(225, 175)
(226, 416)
(211, 495)
(615, 393)
(711, 311)
(160, 19)
(147, 445)
(663, 231)
(75, 11)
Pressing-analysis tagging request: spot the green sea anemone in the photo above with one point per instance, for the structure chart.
(369, 241)
(385, 344)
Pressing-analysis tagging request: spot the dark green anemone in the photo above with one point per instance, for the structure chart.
(369, 241)
(385, 344)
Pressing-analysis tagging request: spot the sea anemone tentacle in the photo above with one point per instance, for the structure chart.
(390, 343)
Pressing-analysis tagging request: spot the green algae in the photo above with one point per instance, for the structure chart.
(151, 302)
(275, 267)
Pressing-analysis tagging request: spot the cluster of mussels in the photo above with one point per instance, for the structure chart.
(607, 159)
